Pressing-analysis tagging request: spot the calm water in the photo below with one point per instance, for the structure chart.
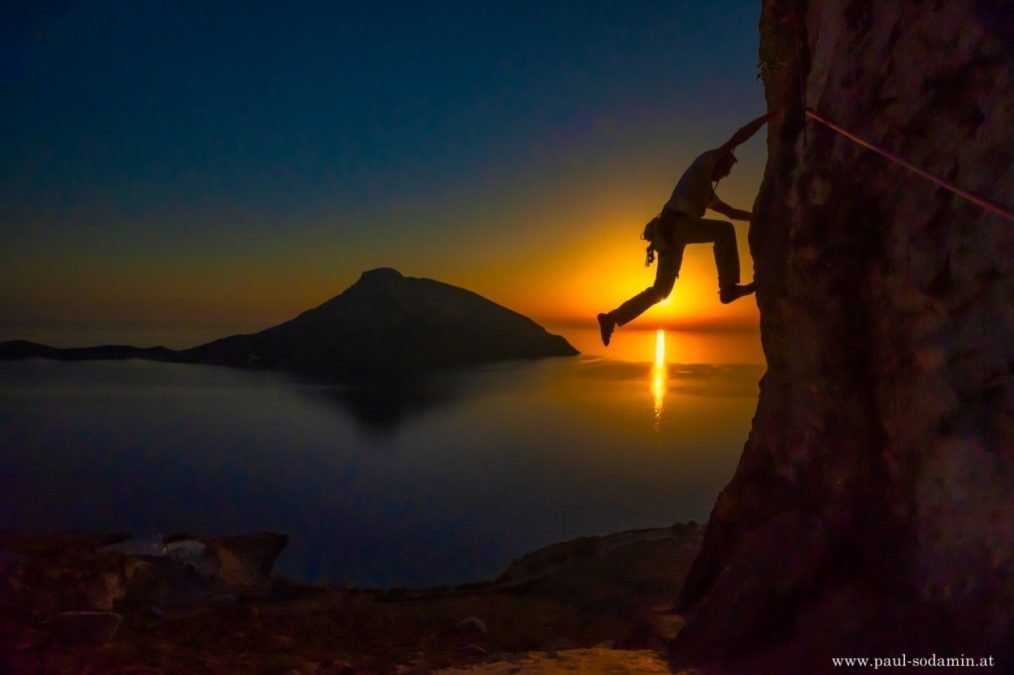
(401, 482)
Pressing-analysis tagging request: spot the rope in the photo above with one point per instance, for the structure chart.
(984, 203)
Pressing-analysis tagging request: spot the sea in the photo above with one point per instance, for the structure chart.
(397, 480)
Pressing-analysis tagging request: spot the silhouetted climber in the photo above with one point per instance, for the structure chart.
(680, 223)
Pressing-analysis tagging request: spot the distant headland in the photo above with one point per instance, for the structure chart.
(384, 320)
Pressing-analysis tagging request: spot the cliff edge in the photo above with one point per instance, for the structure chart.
(871, 511)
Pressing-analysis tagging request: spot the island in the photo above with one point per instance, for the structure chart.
(385, 320)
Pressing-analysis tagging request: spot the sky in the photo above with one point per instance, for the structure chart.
(239, 162)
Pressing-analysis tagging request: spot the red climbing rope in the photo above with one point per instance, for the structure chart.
(984, 203)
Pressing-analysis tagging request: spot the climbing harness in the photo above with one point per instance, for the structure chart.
(984, 203)
(659, 235)
(651, 230)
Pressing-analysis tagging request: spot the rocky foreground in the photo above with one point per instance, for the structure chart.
(105, 603)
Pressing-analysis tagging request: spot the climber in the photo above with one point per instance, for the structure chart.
(680, 223)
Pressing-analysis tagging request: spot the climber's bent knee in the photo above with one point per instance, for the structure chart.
(659, 294)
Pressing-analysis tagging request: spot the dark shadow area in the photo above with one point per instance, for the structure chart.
(381, 402)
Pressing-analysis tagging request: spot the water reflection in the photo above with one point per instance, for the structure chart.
(635, 345)
(380, 404)
(472, 469)
(658, 377)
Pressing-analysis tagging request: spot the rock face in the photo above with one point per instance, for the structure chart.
(247, 560)
(872, 506)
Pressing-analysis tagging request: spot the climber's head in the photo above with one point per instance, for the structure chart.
(723, 165)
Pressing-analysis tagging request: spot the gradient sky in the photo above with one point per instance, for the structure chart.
(239, 162)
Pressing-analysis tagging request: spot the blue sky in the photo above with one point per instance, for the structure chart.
(156, 144)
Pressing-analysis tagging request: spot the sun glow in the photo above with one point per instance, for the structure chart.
(658, 376)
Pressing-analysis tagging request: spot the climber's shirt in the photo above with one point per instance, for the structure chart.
(694, 190)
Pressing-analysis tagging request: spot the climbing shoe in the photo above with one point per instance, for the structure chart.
(735, 292)
(606, 327)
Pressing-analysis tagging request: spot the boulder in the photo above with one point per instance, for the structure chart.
(246, 560)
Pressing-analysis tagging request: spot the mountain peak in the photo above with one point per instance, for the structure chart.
(380, 275)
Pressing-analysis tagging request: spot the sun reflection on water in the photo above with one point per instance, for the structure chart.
(658, 376)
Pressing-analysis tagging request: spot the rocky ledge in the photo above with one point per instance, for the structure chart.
(182, 604)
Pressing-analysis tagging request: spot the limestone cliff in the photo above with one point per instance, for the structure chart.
(872, 512)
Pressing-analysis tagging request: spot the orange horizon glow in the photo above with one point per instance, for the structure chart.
(561, 286)
(568, 280)
(605, 279)
(560, 261)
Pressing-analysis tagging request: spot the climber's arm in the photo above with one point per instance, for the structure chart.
(745, 133)
(718, 205)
